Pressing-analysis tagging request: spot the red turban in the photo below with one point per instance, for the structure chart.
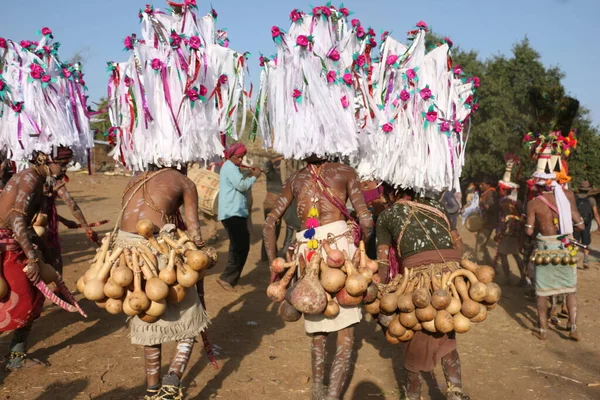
(237, 149)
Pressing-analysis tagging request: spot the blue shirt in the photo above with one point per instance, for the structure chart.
(232, 192)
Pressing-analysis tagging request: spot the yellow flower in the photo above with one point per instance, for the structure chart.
(313, 212)
(313, 244)
(573, 253)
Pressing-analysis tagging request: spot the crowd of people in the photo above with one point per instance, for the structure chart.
(381, 208)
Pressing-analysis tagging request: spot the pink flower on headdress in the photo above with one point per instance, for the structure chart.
(195, 42)
(223, 79)
(422, 25)
(450, 42)
(262, 60)
(391, 59)
(431, 116)
(203, 90)
(345, 102)
(458, 70)
(302, 41)
(25, 43)
(66, 73)
(410, 73)
(384, 35)
(444, 126)
(3, 44)
(46, 78)
(348, 78)
(388, 127)
(193, 4)
(36, 71)
(334, 55)
(326, 11)
(476, 81)
(275, 32)
(156, 64)
(425, 93)
(361, 60)
(360, 32)
(345, 12)
(372, 42)
(2, 84)
(404, 95)
(331, 76)
(128, 81)
(128, 42)
(371, 32)
(316, 11)
(213, 12)
(296, 93)
(355, 23)
(457, 127)
(469, 100)
(46, 31)
(149, 9)
(81, 82)
(47, 49)
(17, 107)
(296, 15)
(475, 107)
(192, 94)
(175, 40)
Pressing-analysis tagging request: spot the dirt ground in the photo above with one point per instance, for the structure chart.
(260, 356)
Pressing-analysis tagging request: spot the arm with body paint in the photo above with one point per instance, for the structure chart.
(578, 223)
(65, 196)
(269, 236)
(17, 220)
(190, 203)
(365, 219)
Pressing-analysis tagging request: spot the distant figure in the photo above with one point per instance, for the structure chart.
(588, 208)
(452, 206)
(233, 213)
(488, 203)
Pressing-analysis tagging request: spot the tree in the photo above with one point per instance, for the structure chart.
(101, 123)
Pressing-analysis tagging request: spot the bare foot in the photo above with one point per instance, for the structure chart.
(574, 335)
(540, 335)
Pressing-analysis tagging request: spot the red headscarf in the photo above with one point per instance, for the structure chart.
(237, 149)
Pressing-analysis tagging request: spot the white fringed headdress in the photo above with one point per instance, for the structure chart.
(180, 90)
(420, 104)
(42, 101)
(313, 94)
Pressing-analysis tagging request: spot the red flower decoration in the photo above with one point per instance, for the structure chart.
(302, 41)
(331, 76)
(3, 44)
(348, 79)
(345, 12)
(195, 42)
(203, 90)
(223, 79)
(404, 95)
(275, 32)
(361, 60)
(46, 78)
(46, 31)
(431, 116)
(388, 127)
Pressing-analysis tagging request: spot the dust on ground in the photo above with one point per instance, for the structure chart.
(260, 356)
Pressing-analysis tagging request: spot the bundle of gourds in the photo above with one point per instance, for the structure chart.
(141, 279)
(435, 300)
(325, 283)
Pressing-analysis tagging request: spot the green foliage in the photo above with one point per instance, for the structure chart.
(101, 123)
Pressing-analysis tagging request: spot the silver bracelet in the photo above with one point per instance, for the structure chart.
(580, 223)
(529, 226)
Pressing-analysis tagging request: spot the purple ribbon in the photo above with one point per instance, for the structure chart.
(74, 105)
(184, 63)
(165, 81)
(147, 115)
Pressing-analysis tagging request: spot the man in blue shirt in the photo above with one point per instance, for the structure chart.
(233, 213)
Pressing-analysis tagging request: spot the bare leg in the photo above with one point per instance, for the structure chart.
(317, 352)
(152, 355)
(572, 306)
(413, 385)
(542, 308)
(341, 363)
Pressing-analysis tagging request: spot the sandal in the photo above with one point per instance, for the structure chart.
(455, 393)
(17, 360)
(151, 394)
(169, 392)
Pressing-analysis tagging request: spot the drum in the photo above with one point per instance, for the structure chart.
(207, 185)
(474, 222)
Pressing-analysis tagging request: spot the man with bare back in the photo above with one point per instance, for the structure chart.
(22, 198)
(321, 191)
(552, 214)
(157, 195)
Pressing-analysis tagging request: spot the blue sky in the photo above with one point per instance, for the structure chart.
(565, 32)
